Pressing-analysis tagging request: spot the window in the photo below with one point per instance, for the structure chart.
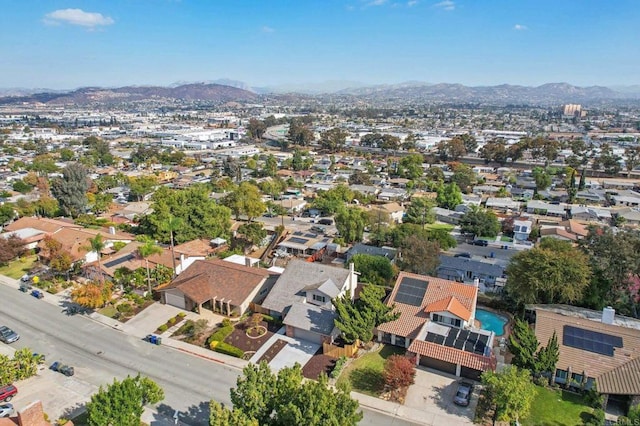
(561, 376)
(447, 320)
(318, 298)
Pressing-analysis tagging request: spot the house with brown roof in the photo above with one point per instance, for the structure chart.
(127, 257)
(32, 230)
(437, 324)
(219, 286)
(594, 347)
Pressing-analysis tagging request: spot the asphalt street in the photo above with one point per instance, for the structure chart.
(100, 353)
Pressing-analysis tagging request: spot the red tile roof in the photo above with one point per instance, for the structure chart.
(413, 317)
(452, 355)
(451, 305)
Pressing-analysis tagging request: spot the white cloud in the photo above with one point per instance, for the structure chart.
(77, 17)
(267, 29)
(519, 27)
(376, 2)
(445, 5)
(412, 3)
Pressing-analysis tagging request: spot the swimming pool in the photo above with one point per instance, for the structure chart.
(491, 321)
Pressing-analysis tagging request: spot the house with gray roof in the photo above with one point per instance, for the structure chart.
(359, 248)
(463, 269)
(302, 298)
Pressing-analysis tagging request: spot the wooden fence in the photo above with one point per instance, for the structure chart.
(337, 351)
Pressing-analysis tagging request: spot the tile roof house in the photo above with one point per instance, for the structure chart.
(219, 286)
(437, 324)
(463, 269)
(76, 241)
(302, 297)
(594, 346)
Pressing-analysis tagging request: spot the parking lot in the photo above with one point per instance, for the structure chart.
(433, 394)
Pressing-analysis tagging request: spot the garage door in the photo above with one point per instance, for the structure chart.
(308, 336)
(437, 364)
(174, 300)
(470, 373)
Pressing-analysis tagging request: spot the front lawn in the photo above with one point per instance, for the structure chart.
(108, 311)
(439, 226)
(18, 267)
(557, 407)
(365, 373)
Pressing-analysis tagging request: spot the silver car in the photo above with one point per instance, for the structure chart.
(7, 335)
(6, 410)
(463, 394)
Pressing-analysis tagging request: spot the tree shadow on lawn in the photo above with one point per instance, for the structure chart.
(368, 380)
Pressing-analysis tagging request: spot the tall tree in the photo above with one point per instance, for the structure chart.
(553, 272)
(256, 128)
(419, 255)
(511, 392)
(523, 344)
(542, 178)
(10, 248)
(246, 200)
(122, 403)
(480, 222)
(71, 189)
(333, 140)
(420, 211)
(145, 251)
(172, 225)
(92, 295)
(97, 244)
(451, 150)
(350, 222)
(374, 269)
(463, 176)
(548, 356)
(449, 196)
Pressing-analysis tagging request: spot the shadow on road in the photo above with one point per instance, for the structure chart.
(196, 415)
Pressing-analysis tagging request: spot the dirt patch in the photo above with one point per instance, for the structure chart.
(239, 338)
(319, 363)
(271, 353)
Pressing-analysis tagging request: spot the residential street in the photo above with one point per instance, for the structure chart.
(100, 353)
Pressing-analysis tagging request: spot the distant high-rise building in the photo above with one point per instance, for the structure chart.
(573, 110)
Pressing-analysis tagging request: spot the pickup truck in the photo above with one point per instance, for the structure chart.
(7, 392)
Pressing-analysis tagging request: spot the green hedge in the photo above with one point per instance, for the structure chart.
(225, 348)
(220, 334)
(338, 367)
(269, 318)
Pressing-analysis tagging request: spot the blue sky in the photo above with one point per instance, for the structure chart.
(67, 44)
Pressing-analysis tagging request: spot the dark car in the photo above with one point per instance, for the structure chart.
(62, 368)
(7, 335)
(463, 394)
(37, 294)
(7, 392)
(482, 243)
(467, 255)
(325, 222)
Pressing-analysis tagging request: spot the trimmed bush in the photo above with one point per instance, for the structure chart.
(227, 323)
(163, 328)
(220, 334)
(225, 348)
(124, 308)
(172, 320)
(338, 367)
(181, 314)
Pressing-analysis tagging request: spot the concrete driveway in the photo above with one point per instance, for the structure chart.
(147, 321)
(432, 393)
(297, 350)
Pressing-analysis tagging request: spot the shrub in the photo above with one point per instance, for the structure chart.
(398, 372)
(124, 308)
(220, 334)
(227, 323)
(597, 418)
(172, 320)
(163, 328)
(225, 348)
(338, 367)
(181, 314)
(186, 328)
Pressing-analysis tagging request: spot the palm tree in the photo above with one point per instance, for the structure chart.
(147, 249)
(97, 244)
(172, 225)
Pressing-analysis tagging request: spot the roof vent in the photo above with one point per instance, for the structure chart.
(608, 315)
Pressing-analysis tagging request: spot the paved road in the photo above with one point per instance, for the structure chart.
(100, 353)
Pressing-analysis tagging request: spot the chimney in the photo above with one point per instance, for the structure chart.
(353, 280)
(608, 315)
(476, 282)
(112, 230)
(247, 261)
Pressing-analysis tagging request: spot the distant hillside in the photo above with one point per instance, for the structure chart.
(552, 93)
(92, 95)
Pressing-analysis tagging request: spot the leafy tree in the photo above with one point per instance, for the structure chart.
(359, 178)
(443, 237)
(122, 403)
(419, 256)
(201, 216)
(411, 166)
(542, 178)
(495, 151)
(145, 251)
(420, 211)
(256, 128)
(399, 371)
(140, 186)
(246, 200)
(97, 244)
(70, 190)
(99, 150)
(21, 187)
(299, 133)
(375, 269)
(270, 166)
(221, 416)
(253, 232)
(547, 357)
(449, 196)
(332, 200)
(451, 150)
(350, 223)
(632, 159)
(10, 248)
(66, 154)
(285, 399)
(511, 392)
(23, 365)
(334, 139)
(100, 202)
(92, 295)
(553, 272)
(7, 213)
(523, 344)
(480, 222)
(435, 174)
(463, 176)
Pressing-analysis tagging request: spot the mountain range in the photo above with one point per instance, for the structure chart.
(225, 90)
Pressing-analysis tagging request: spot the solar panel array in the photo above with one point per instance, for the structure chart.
(411, 291)
(464, 340)
(118, 261)
(591, 341)
(298, 240)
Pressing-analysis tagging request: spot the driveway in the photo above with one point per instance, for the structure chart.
(147, 321)
(432, 393)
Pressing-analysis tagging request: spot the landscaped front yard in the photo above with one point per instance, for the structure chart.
(364, 374)
(19, 267)
(557, 407)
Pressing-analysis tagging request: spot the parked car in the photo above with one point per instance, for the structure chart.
(318, 229)
(7, 335)
(62, 368)
(467, 255)
(6, 410)
(7, 392)
(463, 394)
(482, 243)
(325, 222)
